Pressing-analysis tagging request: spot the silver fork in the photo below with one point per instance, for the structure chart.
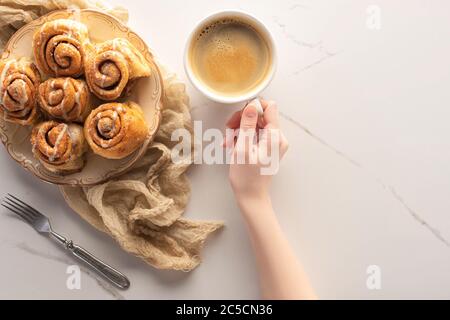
(42, 225)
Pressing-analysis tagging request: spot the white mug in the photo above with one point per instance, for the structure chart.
(245, 17)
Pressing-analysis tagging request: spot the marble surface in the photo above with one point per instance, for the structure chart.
(366, 180)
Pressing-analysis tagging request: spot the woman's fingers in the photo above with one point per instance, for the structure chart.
(235, 120)
(271, 117)
(284, 144)
(247, 131)
(249, 119)
(230, 138)
(246, 120)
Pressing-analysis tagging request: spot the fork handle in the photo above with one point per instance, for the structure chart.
(102, 268)
(105, 270)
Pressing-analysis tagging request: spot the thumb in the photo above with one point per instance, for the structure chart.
(247, 129)
(249, 117)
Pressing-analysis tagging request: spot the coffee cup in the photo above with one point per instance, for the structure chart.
(230, 56)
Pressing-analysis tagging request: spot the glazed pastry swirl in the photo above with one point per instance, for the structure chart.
(112, 67)
(65, 98)
(59, 146)
(59, 47)
(19, 81)
(115, 130)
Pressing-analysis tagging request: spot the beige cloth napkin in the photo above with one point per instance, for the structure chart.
(142, 210)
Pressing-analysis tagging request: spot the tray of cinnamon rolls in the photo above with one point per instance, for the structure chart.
(80, 97)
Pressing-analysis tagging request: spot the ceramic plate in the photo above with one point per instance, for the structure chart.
(147, 93)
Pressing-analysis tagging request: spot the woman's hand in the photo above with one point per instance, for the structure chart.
(281, 274)
(258, 146)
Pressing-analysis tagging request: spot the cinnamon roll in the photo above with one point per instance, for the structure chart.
(60, 147)
(19, 81)
(65, 98)
(59, 47)
(115, 130)
(112, 67)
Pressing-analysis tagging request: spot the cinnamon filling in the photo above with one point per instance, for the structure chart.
(18, 91)
(111, 75)
(63, 55)
(55, 97)
(57, 142)
(107, 127)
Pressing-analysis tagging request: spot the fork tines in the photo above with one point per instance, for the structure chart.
(23, 210)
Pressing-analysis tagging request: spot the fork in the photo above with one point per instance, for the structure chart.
(42, 225)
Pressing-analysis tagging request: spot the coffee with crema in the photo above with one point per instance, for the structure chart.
(230, 57)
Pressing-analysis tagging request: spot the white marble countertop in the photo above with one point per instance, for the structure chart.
(366, 180)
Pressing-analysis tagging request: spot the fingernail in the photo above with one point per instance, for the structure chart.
(250, 111)
(258, 106)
